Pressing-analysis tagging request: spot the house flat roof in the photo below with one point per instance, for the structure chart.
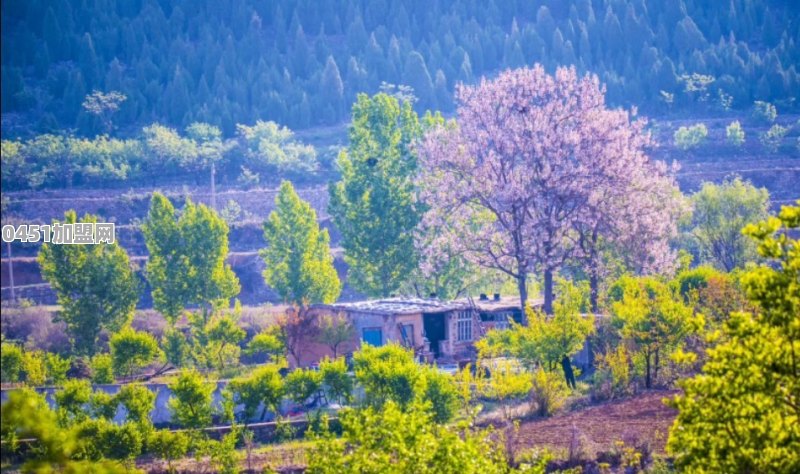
(505, 303)
(398, 305)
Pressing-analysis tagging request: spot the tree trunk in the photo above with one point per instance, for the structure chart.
(647, 381)
(594, 283)
(655, 368)
(548, 291)
(569, 375)
(522, 285)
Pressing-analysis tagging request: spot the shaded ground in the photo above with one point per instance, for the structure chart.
(635, 420)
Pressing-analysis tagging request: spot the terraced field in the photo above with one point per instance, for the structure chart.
(712, 161)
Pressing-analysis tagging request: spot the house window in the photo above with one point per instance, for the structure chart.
(464, 325)
(372, 336)
(407, 334)
(502, 321)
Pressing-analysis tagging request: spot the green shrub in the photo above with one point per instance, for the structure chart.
(34, 368)
(168, 445)
(439, 389)
(11, 358)
(190, 402)
(549, 392)
(690, 137)
(613, 375)
(138, 400)
(337, 383)
(302, 384)
(695, 279)
(764, 112)
(735, 134)
(72, 401)
(772, 138)
(102, 369)
(57, 368)
(131, 350)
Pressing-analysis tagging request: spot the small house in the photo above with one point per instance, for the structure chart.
(436, 330)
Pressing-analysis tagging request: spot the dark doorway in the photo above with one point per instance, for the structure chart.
(433, 324)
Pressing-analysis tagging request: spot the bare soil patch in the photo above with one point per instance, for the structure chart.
(640, 419)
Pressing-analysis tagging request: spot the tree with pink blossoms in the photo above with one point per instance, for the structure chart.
(536, 170)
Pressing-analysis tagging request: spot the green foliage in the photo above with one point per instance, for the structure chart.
(695, 279)
(34, 368)
(507, 383)
(548, 392)
(222, 336)
(224, 456)
(295, 80)
(735, 134)
(190, 403)
(103, 405)
(104, 105)
(772, 138)
(612, 377)
(267, 343)
(168, 445)
(720, 212)
(72, 400)
(57, 368)
(263, 385)
(11, 357)
(741, 414)
(175, 347)
(386, 373)
(687, 138)
(267, 145)
(299, 265)
(187, 265)
(335, 331)
(653, 317)
(138, 400)
(132, 350)
(336, 382)
(393, 440)
(373, 205)
(302, 384)
(102, 366)
(440, 391)
(96, 288)
(764, 112)
(248, 178)
(546, 341)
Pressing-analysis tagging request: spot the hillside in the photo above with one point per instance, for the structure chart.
(301, 63)
(714, 160)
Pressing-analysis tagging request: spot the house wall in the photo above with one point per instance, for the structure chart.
(312, 351)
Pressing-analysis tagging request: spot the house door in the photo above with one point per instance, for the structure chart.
(434, 330)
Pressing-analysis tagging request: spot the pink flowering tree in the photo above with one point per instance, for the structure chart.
(533, 170)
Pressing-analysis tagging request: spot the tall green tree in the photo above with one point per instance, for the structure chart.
(374, 204)
(742, 413)
(187, 265)
(299, 265)
(720, 213)
(95, 284)
(653, 316)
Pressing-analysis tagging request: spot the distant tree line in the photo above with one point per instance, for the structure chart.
(300, 63)
(57, 160)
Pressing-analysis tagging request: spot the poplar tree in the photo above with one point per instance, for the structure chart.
(298, 258)
(95, 284)
(374, 204)
(187, 265)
